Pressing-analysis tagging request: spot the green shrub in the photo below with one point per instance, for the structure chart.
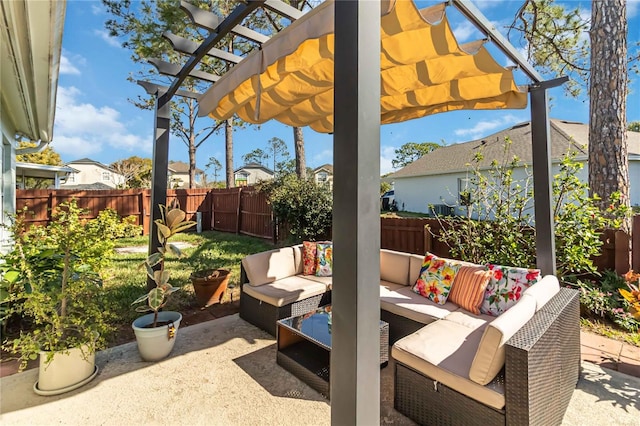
(302, 204)
(498, 225)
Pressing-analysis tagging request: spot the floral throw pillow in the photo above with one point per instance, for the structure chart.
(506, 287)
(436, 278)
(309, 257)
(324, 259)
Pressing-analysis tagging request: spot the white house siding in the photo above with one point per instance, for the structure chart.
(91, 173)
(415, 194)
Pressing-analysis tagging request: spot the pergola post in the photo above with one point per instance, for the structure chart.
(542, 176)
(355, 354)
(159, 171)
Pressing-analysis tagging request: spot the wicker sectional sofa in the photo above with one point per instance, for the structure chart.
(451, 366)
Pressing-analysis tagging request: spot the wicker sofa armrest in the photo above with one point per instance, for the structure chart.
(542, 363)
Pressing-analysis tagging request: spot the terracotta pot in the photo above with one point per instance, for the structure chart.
(210, 285)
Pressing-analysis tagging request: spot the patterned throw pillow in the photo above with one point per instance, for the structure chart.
(436, 278)
(469, 287)
(324, 259)
(506, 287)
(309, 257)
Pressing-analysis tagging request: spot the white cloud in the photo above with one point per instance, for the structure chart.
(66, 67)
(82, 128)
(486, 4)
(387, 153)
(323, 157)
(96, 9)
(464, 31)
(482, 128)
(633, 7)
(111, 41)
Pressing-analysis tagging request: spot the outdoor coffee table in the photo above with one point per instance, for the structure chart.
(304, 347)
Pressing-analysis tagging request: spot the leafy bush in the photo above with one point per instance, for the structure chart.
(302, 204)
(54, 286)
(498, 225)
(112, 226)
(604, 300)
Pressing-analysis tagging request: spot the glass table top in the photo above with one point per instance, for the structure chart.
(315, 325)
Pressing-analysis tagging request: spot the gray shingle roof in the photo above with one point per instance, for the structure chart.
(456, 158)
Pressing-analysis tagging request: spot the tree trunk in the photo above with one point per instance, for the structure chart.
(608, 147)
(301, 163)
(228, 146)
(192, 159)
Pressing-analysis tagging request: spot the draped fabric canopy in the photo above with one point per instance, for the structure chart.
(423, 71)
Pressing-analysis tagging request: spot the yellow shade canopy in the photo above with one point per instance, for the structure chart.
(423, 71)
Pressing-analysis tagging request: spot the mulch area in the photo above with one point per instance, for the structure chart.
(190, 316)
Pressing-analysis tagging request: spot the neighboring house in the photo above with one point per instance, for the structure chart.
(323, 175)
(54, 176)
(91, 174)
(439, 177)
(252, 173)
(179, 175)
(29, 81)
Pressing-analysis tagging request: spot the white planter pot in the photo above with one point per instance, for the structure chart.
(66, 371)
(155, 343)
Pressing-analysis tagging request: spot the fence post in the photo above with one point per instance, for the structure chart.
(239, 210)
(428, 246)
(621, 254)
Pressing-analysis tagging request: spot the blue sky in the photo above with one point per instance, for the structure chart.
(94, 118)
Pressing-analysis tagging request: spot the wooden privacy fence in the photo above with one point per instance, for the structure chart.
(42, 203)
(420, 235)
(246, 211)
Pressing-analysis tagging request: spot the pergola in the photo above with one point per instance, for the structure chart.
(345, 68)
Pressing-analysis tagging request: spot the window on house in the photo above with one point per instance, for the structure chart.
(464, 191)
(71, 178)
(106, 176)
(322, 177)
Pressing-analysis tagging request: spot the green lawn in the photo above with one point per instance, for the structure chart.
(124, 280)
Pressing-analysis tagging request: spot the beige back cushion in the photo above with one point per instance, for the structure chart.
(415, 264)
(489, 358)
(543, 290)
(266, 267)
(298, 257)
(394, 266)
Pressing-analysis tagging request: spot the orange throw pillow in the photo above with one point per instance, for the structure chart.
(469, 286)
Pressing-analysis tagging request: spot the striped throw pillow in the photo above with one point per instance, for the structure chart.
(469, 286)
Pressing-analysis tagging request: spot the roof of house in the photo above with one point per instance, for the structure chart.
(90, 161)
(254, 166)
(181, 167)
(325, 167)
(457, 158)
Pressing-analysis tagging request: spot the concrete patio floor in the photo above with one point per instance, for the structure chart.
(223, 372)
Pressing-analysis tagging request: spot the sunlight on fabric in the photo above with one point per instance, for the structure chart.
(423, 71)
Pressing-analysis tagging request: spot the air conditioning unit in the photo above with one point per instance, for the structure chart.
(442, 210)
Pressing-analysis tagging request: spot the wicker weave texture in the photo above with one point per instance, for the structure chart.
(264, 315)
(428, 402)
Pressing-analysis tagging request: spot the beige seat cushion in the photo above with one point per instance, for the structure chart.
(269, 266)
(489, 358)
(285, 291)
(298, 258)
(543, 290)
(324, 280)
(443, 351)
(404, 302)
(394, 266)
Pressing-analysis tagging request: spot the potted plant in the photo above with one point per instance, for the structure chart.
(156, 331)
(53, 290)
(209, 283)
